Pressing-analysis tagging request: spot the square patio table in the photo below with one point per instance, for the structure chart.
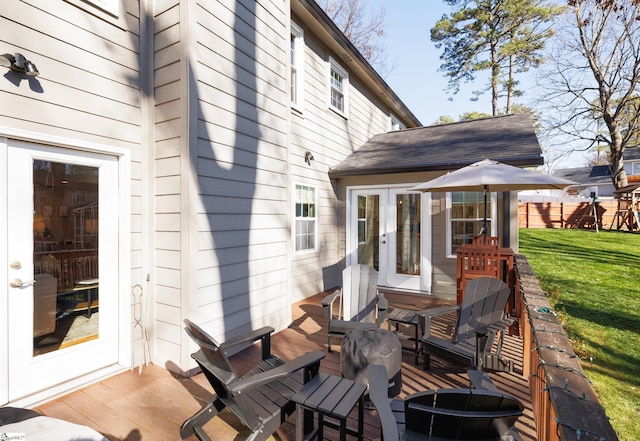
(332, 397)
(409, 318)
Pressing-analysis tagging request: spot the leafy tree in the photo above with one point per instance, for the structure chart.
(444, 119)
(505, 37)
(365, 30)
(593, 91)
(468, 116)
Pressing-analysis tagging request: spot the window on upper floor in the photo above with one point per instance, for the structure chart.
(396, 124)
(465, 210)
(338, 87)
(111, 6)
(635, 168)
(297, 63)
(107, 10)
(305, 218)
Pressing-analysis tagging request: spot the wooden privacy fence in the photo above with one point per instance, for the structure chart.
(565, 406)
(568, 214)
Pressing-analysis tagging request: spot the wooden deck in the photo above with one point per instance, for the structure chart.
(153, 405)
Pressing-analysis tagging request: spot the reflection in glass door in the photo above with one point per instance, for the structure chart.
(65, 255)
(369, 230)
(407, 249)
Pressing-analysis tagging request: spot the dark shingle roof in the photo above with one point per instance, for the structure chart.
(598, 174)
(631, 153)
(510, 139)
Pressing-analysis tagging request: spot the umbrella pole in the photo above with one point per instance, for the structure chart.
(484, 224)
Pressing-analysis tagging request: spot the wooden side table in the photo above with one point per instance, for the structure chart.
(331, 397)
(408, 318)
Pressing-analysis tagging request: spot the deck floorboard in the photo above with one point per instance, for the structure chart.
(152, 405)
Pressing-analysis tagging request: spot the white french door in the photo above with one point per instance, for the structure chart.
(389, 229)
(62, 249)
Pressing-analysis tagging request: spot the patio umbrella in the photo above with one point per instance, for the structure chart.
(489, 176)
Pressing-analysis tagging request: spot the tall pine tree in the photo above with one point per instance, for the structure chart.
(504, 37)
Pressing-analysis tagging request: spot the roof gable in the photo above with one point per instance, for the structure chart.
(510, 139)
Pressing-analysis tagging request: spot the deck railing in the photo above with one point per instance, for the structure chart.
(565, 406)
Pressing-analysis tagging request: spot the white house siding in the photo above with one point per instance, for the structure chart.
(330, 137)
(170, 152)
(88, 85)
(221, 71)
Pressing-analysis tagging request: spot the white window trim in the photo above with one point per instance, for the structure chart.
(493, 204)
(295, 218)
(395, 121)
(334, 65)
(110, 6)
(107, 10)
(298, 32)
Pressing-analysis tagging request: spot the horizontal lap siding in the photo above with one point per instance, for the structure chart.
(169, 148)
(330, 138)
(88, 87)
(240, 265)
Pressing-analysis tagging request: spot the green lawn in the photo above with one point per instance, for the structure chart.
(593, 282)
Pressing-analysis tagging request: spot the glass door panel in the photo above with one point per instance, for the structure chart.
(369, 230)
(408, 234)
(65, 255)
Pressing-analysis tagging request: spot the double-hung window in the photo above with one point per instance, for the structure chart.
(466, 218)
(305, 218)
(297, 62)
(338, 87)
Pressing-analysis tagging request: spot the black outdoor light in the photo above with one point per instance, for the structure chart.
(19, 63)
(308, 157)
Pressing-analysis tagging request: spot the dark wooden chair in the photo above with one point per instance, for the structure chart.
(475, 260)
(360, 305)
(481, 318)
(261, 399)
(444, 414)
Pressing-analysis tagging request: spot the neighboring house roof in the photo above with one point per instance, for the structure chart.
(631, 153)
(510, 139)
(596, 175)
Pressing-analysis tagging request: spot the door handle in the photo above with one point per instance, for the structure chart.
(17, 283)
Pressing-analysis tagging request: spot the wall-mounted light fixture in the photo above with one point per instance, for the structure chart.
(19, 63)
(308, 157)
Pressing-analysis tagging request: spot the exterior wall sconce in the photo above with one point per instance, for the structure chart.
(308, 157)
(19, 63)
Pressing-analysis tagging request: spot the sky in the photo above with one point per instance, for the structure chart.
(415, 77)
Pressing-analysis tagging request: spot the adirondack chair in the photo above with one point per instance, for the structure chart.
(444, 414)
(481, 317)
(360, 306)
(261, 399)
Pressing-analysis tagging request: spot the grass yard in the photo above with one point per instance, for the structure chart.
(593, 282)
